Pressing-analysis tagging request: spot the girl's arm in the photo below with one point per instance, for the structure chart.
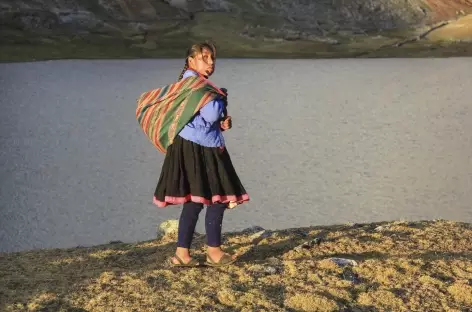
(212, 111)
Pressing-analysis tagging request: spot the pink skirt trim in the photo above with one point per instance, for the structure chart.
(171, 200)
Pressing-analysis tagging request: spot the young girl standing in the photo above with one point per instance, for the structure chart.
(198, 171)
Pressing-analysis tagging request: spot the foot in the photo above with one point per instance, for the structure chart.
(181, 263)
(185, 260)
(215, 254)
(183, 254)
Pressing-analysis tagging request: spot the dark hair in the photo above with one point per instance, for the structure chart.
(194, 50)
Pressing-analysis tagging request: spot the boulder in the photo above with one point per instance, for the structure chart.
(253, 230)
(344, 262)
(168, 228)
(79, 20)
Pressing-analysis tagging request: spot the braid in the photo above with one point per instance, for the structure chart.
(183, 70)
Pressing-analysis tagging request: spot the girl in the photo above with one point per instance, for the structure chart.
(197, 169)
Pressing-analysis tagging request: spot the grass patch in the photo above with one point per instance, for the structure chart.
(54, 48)
(48, 48)
(401, 267)
(424, 48)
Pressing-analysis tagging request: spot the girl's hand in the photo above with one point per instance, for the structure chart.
(226, 123)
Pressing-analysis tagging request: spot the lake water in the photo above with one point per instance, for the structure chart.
(315, 142)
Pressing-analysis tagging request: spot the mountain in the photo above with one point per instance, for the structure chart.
(304, 28)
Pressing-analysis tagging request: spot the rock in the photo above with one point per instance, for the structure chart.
(42, 20)
(308, 244)
(380, 228)
(358, 225)
(129, 9)
(79, 20)
(270, 270)
(253, 230)
(33, 20)
(217, 6)
(169, 228)
(261, 234)
(350, 276)
(275, 261)
(260, 270)
(344, 262)
(299, 232)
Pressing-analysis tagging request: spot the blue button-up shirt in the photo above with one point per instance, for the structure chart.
(204, 128)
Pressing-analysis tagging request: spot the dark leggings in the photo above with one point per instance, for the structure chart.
(213, 223)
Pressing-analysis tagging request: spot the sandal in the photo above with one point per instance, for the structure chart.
(225, 260)
(191, 263)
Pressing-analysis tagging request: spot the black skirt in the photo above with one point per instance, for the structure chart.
(192, 172)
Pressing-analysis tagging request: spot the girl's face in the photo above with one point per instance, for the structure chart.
(203, 62)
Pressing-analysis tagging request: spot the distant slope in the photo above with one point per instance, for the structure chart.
(239, 27)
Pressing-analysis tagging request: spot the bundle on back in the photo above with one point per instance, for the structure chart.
(163, 112)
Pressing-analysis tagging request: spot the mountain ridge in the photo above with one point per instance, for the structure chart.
(241, 27)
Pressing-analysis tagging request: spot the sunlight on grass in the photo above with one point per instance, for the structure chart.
(310, 302)
(401, 266)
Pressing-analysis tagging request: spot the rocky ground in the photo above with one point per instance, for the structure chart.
(394, 266)
(33, 29)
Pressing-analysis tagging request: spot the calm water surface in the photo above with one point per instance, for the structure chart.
(315, 142)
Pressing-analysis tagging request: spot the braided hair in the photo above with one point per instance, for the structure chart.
(183, 70)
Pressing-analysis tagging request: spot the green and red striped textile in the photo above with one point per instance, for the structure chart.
(163, 112)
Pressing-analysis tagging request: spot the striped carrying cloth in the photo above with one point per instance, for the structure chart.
(163, 112)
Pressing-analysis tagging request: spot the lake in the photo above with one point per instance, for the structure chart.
(315, 142)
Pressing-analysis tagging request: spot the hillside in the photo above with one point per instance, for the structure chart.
(388, 266)
(317, 28)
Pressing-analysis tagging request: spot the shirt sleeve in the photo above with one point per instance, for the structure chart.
(211, 112)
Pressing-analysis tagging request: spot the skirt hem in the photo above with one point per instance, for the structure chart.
(172, 200)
